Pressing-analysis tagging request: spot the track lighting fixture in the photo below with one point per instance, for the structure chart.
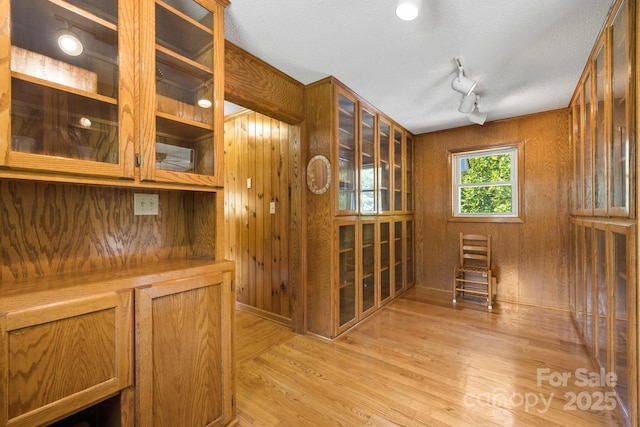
(476, 116)
(462, 84)
(467, 103)
(408, 10)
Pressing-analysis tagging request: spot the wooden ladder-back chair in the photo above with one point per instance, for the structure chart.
(472, 276)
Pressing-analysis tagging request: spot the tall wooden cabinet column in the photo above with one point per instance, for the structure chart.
(102, 99)
(603, 291)
(359, 241)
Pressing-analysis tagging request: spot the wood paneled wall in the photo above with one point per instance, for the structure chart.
(531, 260)
(50, 228)
(265, 151)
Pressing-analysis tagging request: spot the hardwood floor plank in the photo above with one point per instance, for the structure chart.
(420, 362)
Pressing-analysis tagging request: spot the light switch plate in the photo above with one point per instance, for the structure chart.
(145, 204)
(272, 208)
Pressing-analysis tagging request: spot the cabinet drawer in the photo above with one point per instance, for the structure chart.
(58, 358)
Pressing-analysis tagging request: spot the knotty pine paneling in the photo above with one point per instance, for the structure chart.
(263, 150)
(531, 260)
(50, 228)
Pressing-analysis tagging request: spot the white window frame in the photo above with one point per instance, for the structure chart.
(516, 183)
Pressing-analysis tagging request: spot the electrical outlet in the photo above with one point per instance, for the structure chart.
(145, 204)
(272, 208)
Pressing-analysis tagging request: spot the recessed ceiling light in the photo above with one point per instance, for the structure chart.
(407, 10)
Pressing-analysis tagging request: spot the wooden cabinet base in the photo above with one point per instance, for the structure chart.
(67, 348)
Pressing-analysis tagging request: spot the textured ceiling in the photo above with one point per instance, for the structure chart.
(527, 55)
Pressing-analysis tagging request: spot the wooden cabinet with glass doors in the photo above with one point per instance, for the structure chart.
(83, 105)
(604, 302)
(71, 83)
(603, 291)
(370, 170)
(603, 132)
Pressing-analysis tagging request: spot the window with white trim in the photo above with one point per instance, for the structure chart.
(486, 183)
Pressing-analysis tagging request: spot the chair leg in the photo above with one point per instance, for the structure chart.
(455, 284)
(489, 291)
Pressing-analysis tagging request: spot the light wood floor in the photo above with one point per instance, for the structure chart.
(417, 362)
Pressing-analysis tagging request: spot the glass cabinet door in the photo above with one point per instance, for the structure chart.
(180, 146)
(368, 267)
(409, 263)
(384, 167)
(588, 286)
(367, 162)
(398, 259)
(619, 154)
(600, 144)
(71, 86)
(624, 304)
(601, 292)
(385, 261)
(397, 170)
(408, 173)
(579, 274)
(347, 274)
(587, 155)
(346, 154)
(577, 156)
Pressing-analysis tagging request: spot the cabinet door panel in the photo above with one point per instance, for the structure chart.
(182, 352)
(63, 357)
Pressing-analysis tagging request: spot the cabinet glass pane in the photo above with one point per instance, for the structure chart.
(385, 261)
(599, 149)
(184, 79)
(587, 155)
(368, 266)
(588, 286)
(105, 9)
(346, 154)
(64, 67)
(577, 157)
(384, 170)
(572, 269)
(347, 267)
(367, 163)
(600, 284)
(409, 256)
(619, 156)
(621, 321)
(398, 256)
(397, 170)
(580, 277)
(408, 168)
